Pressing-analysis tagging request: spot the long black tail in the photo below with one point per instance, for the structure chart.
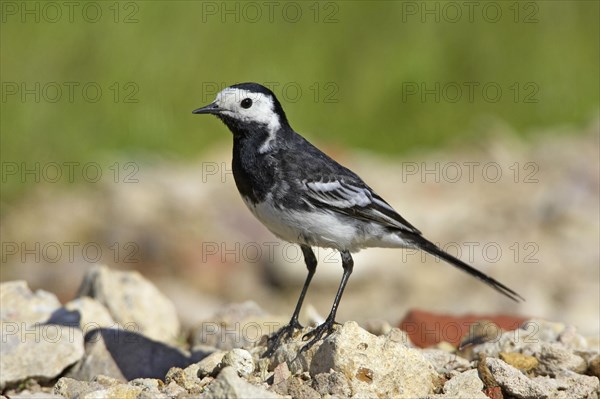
(431, 248)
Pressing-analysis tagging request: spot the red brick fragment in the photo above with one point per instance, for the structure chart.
(427, 329)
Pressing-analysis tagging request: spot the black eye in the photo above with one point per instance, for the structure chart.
(246, 103)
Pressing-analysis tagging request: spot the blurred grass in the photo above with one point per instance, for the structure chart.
(175, 49)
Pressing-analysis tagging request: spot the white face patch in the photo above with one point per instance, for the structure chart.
(261, 110)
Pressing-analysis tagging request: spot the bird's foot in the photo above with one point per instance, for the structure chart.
(285, 332)
(320, 332)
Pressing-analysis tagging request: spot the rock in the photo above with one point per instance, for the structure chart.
(493, 392)
(98, 359)
(281, 373)
(186, 378)
(85, 313)
(513, 382)
(240, 360)
(520, 361)
(121, 391)
(29, 385)
(173, 390)
(298, 389)
(333, 383)
(290, 352)
(540, 330)
(509, 341)
(571, 339)
(73, 389)
(236, 326)
(30, 389)
(133, 302)
(281, 388)
(228, 385)
(41, 352)
(151, 388)
(570, 386)
(444, 362)
(485, 375)
(536, 339)
(374, 366)
(208, 365)
(148, 384)
(21, 305)
(466, 385)
(399, 336)
(295, 387)
(261, 364)
(106, 381)
(594, 366)
(35, 395)
(554, 358)
(378, 326)
(126, 355)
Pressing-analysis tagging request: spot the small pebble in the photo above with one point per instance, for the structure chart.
(240, 360)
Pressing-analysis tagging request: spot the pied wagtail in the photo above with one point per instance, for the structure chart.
(303, 196)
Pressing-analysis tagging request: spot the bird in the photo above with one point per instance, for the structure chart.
(305, 197)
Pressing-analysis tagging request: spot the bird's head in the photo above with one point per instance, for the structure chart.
(247, 106)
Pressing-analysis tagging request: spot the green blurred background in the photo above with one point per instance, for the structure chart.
(348, 73)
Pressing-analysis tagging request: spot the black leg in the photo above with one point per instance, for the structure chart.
(287, 330)
(326, 328)
(311, 264)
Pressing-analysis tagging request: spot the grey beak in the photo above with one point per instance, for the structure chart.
(209, 109)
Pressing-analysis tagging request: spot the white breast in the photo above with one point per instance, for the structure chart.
(322, 228)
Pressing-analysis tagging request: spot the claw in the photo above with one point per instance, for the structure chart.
(279, 336)
(320, 332)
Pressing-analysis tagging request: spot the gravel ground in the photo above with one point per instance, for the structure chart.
(121, 338)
